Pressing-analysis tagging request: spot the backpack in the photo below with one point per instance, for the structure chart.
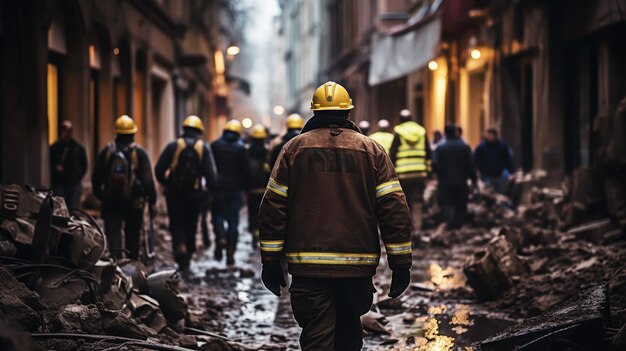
(185, 169)
(121, 167)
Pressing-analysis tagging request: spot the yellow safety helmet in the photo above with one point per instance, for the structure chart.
(331, 96)
(125, 125)
(295, 121)
(258, 132)
(194, 121)
(233, 126)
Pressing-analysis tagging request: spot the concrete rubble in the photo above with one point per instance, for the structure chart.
(59, 287)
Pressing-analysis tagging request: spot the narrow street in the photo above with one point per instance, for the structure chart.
(480, 142)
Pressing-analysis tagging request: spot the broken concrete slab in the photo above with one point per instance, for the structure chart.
(589, 312)
(75, 318)
(593, 231)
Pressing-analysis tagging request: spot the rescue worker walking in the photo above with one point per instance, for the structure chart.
(454, 166)
(257, 152)
(68, 165)
(187, 170)
(122, 180)
(294, 126)
(330, 191)
(411, 155)
(383, 136)
(233, 179)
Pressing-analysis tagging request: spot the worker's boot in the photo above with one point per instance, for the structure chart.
(230, 253)
(182, 257)
(219, 249)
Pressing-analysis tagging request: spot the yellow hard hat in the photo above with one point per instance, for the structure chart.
(258, 132)
(194, 121)
(233, 126)
(295, 121)
(125, 125)
(331, 96)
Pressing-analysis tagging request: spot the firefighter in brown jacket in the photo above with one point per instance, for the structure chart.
(330, 191)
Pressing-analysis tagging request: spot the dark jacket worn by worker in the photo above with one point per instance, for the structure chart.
(166, 163)
(72, 157)
(140, 165)
(291, 133)
(453, 163)
(329, 192)
(493, 158)
(257, 153)
(231, 159)
(410, 151)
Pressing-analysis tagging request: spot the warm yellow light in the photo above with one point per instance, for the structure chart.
(116, 51)
(476, 54)
(246, 123)
(233, 50)
(219, 62)
(278, 110)
(433, 65)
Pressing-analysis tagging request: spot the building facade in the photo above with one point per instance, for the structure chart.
(90, 61)
(547, 74)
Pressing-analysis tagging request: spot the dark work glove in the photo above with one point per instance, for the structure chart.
(273, 278)
(399, 282)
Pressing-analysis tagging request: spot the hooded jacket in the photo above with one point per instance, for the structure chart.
(410, 151)
(330, 191)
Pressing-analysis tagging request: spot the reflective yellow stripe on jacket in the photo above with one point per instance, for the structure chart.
(277, 187)
(388, 188)
(398, 249)
(332, 258)
(272, 245)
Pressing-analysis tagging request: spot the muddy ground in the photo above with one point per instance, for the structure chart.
(438, 312)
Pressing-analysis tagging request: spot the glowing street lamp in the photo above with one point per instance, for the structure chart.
(278, 110)
(433, 65)
(475, 54)
(246, 122)
(233, 50)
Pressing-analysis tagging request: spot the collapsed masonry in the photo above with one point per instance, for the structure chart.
(60, 287)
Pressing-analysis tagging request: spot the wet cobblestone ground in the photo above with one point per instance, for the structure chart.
(433, 315)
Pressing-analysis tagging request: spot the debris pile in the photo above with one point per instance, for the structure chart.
(542, 246)
(59, 285)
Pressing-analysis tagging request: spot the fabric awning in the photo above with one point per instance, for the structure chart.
(394, 56)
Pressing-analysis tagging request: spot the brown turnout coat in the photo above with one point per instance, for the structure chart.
(330, 192)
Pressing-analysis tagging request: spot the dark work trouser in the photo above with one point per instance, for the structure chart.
(184, 213)
(254, 202)
(329, 311)
(70, 192)
(132, 220)
(414, 191)
(453, 202)
(225, 209)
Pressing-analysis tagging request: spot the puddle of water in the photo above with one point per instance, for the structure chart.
(442, 328)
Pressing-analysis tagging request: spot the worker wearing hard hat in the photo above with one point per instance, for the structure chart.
(122, 180)
(257, 154)
(383, 136)
(410, 152)
(331, 190)
(294, 126)
(186, 170)
(233, 169)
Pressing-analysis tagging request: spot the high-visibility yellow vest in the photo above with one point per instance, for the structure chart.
(384, 139)
(411, 157)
